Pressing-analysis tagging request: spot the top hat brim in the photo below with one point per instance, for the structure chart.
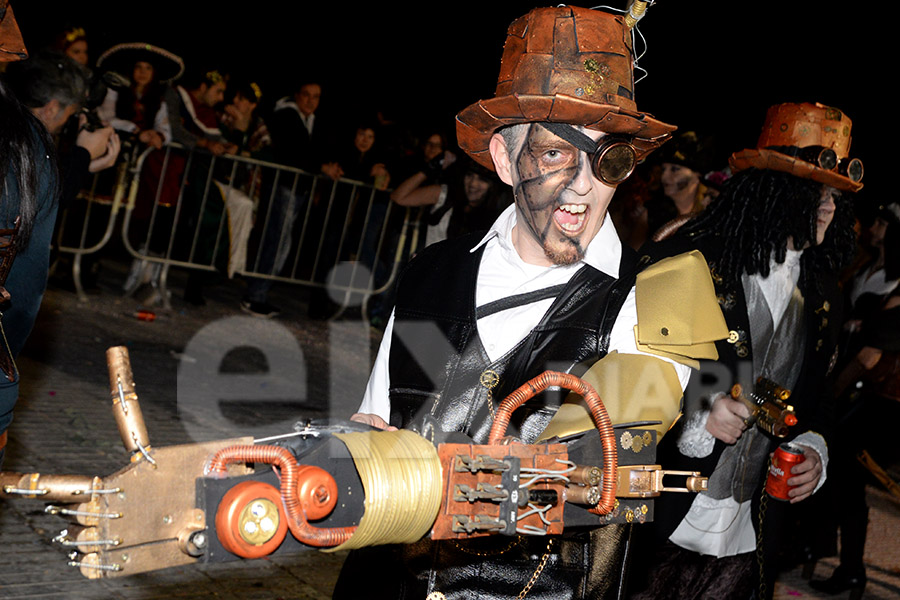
(12, 47)
(476, 124)
(122, 57)
(765, 158)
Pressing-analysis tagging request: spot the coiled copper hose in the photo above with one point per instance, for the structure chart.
(285, 461)
(598, 412)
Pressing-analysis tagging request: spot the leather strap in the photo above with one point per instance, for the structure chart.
(518, 300)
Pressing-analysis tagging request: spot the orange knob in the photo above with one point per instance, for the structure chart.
(250, 521)
(317, 491)
(790, 419)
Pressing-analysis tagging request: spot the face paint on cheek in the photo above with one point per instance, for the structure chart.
(539, 186)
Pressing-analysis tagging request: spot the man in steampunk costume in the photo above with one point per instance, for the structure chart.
(775, 240)
(548, 287)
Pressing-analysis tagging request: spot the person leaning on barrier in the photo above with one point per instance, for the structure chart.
(29, 195)
(775, 239)
(243, 126)
(195, 125)
(192, 112)
(549, 286)
(300, 139)
(138, 110)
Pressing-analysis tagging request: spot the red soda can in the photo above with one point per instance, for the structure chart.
(783, 460)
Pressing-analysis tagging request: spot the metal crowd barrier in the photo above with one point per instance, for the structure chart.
(192, 210)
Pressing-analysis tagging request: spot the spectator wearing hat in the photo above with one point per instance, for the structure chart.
(775, 240)
(547, 282)
(683, 193)
(241, 121)
(72, 42)
(138, 109)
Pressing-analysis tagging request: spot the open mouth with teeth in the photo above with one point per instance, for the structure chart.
(571, 218)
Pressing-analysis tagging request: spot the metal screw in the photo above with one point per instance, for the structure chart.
(167, 519)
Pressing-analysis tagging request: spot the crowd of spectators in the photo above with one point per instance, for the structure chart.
(156, 100)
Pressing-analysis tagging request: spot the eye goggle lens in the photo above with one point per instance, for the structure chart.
(613, 164)
(852, 169)
(828, 159)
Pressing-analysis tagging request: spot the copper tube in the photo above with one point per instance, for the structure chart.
(598, 412)
(285, 461)
(126, 408)
(59, 488)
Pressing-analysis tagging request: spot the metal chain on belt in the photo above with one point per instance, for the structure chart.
(537, 572)
(763, 502)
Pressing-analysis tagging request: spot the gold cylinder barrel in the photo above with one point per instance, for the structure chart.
(586, 495)
(52, 488)
(587, 475)
(126, 408)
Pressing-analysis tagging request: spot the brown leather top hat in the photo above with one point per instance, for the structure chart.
(811, 141)
(565, 65)
(11, 45)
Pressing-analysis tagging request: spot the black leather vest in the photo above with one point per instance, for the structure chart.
(436, 364)
(437, 358)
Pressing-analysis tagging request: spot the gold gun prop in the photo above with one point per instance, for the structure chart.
(768, 407)
(341, 486)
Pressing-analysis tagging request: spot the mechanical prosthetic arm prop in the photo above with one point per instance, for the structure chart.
(342, 485)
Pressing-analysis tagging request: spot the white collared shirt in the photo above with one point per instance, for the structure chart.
(503, 273)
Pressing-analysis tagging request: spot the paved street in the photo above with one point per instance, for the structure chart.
(63, 424)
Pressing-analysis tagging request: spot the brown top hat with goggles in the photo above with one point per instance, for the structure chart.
(564, 65)
(811, 141)
(11, 45)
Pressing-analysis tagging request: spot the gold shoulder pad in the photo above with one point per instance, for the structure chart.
(633, 387)
(678, 316)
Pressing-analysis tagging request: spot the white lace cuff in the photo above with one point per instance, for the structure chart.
(813, 440)
(695, 440)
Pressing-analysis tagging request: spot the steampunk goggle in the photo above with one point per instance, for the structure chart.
(612, 158)
(826, 158)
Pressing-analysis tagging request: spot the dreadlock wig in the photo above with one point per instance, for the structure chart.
(759, 210)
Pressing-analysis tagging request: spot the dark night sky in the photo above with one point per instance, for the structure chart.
(712, 67)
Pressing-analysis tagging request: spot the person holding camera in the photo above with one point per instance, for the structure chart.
(54, 88)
